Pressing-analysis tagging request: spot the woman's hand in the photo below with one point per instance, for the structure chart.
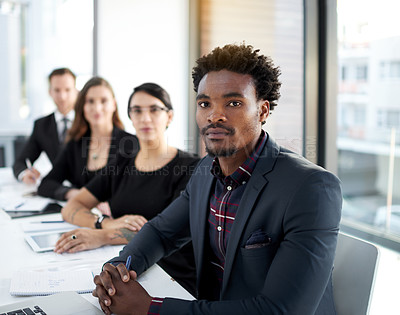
(131, 222)
(79, 240)
(71, 193)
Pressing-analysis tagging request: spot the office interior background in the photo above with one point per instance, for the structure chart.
(340, 62)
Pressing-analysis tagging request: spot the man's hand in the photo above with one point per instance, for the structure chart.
(119, 292)
(30, 176)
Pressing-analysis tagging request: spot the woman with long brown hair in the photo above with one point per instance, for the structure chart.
(95, 138)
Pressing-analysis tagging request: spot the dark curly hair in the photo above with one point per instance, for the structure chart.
(242, 59)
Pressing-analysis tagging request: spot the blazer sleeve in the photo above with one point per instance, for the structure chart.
(51, 185)
(30, 151)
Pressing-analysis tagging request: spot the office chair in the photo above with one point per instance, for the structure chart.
(354, 271)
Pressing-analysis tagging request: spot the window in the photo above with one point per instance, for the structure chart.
(276, 28)
(361, 72)
(37, 36)
(394, 71)
(344, 73)
(390, 69)
(369, 117)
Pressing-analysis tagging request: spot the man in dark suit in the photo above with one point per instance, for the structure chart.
(49, 132)
(263, 220)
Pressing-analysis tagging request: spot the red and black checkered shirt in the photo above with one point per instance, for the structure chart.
(224, 202)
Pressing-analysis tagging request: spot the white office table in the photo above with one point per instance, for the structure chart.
(16, 254)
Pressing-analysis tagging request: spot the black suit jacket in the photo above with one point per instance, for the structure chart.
(43, 138)
(296, 204)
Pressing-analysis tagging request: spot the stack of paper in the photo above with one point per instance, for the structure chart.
(24, 204)
(50, 282)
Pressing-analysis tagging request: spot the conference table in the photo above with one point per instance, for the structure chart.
(16, 254)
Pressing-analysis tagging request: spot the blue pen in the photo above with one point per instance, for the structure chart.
(50, 222)
(19, 205)
(128, 262)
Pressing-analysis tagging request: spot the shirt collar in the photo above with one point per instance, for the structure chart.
(58, 116)
(243, 173)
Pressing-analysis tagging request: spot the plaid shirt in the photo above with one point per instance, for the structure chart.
(224, 203)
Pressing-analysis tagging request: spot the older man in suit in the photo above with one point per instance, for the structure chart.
(49, 132)
(263, 220)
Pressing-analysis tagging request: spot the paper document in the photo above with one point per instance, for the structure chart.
(24, 204)
(50, 282)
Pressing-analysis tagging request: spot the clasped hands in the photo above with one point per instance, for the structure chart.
(119, 292)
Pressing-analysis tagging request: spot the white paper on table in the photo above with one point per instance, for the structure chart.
(99, 254)
(24, 204)
(25, 282)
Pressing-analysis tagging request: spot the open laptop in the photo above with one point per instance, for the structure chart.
(65, 303)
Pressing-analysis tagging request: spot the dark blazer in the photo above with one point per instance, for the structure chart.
(71, 163)
(43, 138)
(294, 203)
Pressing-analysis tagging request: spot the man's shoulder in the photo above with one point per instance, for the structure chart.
(281, 161)
(42, 124)
(203, 167)
(44, 119)
(186, 158)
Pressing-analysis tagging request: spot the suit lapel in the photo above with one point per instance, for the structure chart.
(54, 132)
(200, 221)
(255, 186)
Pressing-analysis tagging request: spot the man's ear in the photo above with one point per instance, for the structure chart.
(264, 111)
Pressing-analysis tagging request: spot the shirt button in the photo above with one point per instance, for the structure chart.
(229, 187)
(219, 228)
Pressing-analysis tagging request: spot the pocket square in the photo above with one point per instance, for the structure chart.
(258, 239)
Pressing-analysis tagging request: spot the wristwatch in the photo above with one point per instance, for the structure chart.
(100, 219)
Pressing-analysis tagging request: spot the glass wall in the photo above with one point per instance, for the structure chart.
(36, 37)
(368, 112)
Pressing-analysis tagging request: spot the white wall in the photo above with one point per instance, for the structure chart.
(146, 41)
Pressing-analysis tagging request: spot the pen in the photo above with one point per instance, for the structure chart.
(19, 205)
(128, 262)
(51, 221)
(28, 164)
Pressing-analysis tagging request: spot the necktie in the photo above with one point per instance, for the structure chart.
(64, 131)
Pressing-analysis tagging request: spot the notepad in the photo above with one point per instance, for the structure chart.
(24, 204)
(49, 282)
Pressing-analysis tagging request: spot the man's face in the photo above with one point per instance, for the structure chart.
(228, 113)
(62, 90)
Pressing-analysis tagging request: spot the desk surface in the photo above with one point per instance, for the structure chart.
(16, 254)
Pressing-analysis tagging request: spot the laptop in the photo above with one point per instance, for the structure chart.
(65, 303)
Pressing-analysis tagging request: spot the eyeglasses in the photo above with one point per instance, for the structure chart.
(154, 110)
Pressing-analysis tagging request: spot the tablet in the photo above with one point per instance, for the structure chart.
(44, 241)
